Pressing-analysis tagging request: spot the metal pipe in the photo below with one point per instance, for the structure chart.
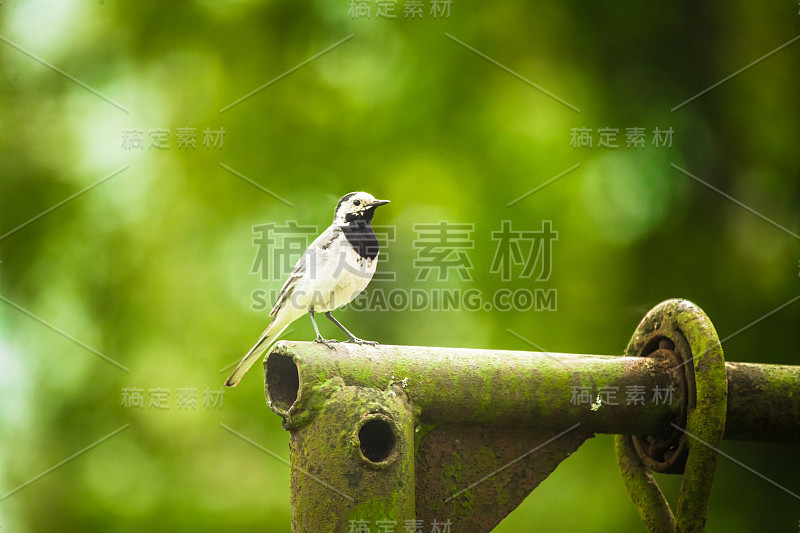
(386, 434)
(763, 402)
(548, 390)
(490, 387)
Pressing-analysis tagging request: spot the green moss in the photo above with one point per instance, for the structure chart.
(313, 402)
(420, 430)
(373, 510)
(696, 341)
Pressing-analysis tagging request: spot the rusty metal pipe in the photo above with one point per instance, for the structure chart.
(490, 387)
(497, 387)
(387, 434)
(763, 402)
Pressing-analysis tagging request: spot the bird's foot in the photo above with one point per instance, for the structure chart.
(356, 340)
(327, 342)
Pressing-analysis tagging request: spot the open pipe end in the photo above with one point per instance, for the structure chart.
(377, 440)
(282, 382)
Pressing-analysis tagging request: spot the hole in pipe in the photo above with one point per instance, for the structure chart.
(377, 440)
(283, 381)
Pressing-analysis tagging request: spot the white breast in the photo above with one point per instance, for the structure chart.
(333, 277)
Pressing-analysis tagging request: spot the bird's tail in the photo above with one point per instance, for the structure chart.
(266, 340)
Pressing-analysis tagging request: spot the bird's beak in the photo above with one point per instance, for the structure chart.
(377, 203)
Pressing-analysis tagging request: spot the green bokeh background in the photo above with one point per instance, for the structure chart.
(152, 268)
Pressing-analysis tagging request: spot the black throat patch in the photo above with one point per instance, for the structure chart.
(361, 237)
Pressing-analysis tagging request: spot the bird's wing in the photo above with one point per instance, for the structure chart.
(327, 238)
(288, 287)
(323, 242)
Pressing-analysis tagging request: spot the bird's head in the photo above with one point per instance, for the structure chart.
(356, 206)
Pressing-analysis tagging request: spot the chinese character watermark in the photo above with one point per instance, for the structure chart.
(359, 526)
(635, 137)
(279, 247)
(132, 398)
(634, 395)
(187, 138)
(213, 138)
(358, 9)
(662, 138)
(386, 9)
(212, 399)
(443, 247)
(159, 398)
(442, 250)
(133, 139)
(608, 137)
(409, 526)
(581, 396)
(510, 253)
(608, 395)
(186, 398)
(664, 394)
(159, 138)
(389, 9)
(581, 138)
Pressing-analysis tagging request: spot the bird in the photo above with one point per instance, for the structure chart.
(335, 268)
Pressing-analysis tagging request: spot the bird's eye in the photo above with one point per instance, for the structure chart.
(356, 202)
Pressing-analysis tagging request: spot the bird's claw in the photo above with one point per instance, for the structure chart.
(356, 340)
(326, 342)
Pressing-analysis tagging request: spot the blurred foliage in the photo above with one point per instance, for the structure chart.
(152, 267)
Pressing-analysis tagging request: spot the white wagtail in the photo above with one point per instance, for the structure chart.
(337, 266)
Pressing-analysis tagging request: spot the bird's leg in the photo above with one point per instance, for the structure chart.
(319, 338)
(353, 338)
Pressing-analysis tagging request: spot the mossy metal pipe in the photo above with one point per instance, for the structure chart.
(355, 463)
(605, 394)
(763, 402)
(496, 387)
(390, 434)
